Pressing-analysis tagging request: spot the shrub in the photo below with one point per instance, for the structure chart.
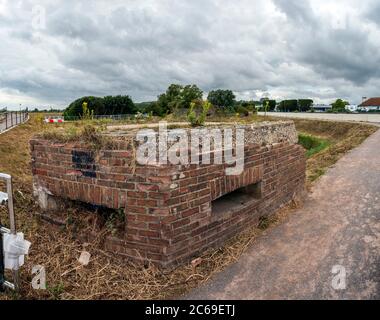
(312, 144)
(198, 113)
(87, 114)
(178, 97)
(243, 111)
(249, 105)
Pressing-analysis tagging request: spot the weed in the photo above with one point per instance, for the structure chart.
(56, 290)
(264, 223)
(109, 277)
(197, 118)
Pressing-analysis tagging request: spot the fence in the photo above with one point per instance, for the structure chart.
(116, 117)
(12, 119)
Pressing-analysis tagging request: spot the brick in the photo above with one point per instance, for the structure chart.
(168, 209)
(147, 187)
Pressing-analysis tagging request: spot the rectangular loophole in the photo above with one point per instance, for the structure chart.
(236, 200)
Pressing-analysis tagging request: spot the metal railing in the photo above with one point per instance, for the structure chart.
(114, 117)
(11, 119)
(6, 199)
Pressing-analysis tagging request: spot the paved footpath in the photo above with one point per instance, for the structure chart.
(339, 224)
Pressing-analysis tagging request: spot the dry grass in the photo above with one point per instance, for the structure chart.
(107, 277)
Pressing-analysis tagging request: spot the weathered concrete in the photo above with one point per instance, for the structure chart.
(338, 225)
(260, 133)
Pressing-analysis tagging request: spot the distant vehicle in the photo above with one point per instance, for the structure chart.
(54, 119)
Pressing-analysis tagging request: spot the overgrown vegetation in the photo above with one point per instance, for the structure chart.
(312, 144)
(177, 97)
(198, 113)
(108, 277)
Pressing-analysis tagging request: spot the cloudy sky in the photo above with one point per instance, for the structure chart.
(55, 51)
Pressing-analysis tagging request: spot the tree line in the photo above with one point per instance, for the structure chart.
(175, 98)
(109, 105)
(180, 97)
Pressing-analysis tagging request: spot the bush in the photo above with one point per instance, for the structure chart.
(243, 111)
(87, 114)
(312, 144)
(178, 97)
(249, 105)
(225, 112)
(198, 113)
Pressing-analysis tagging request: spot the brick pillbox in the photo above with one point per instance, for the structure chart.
(173, 212)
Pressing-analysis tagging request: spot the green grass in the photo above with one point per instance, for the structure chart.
(312, 144)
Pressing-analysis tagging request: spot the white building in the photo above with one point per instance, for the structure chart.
(321, 107)
(372, 104)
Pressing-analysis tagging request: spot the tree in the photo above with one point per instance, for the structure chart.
(75, 108)
(178, 97)
(305, 104)
(109, 105)
(222, 98)
(288, 105)
(271, 105)
(190, 93)
(154, 109)
(339, 105)
(119, 105)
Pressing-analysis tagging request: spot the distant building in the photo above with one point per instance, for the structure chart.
(372, 104)
(352, 108)
(321, 107)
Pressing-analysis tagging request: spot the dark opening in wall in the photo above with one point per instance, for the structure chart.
(82, 217)
(236, 200)
(101, 218)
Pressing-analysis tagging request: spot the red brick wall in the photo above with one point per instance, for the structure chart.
(168, 209)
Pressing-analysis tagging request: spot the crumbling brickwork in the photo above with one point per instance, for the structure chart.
(171, 210)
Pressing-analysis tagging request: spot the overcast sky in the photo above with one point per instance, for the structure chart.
(55, 51)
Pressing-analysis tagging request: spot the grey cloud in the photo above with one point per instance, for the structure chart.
(298, 11)
(333, 52)
(139, 47)
(373, 13)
